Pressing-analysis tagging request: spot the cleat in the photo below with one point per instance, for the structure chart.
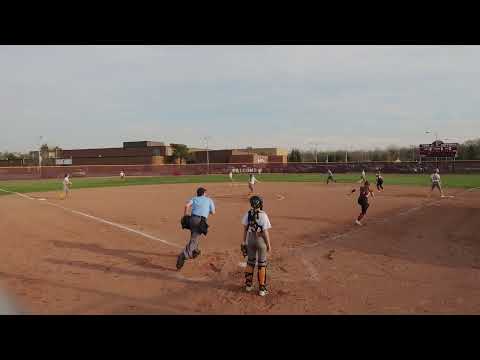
(263, 291)
(180, 261)
(358, 223)
(196, 253)
(248, 288)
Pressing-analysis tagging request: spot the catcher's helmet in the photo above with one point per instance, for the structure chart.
(256, 202)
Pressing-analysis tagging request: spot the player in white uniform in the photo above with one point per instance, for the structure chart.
(363, 177)
(251, 183)
(122, 175)
(66, 185)
(230, 175)
(330, 177)
(256, 244)
(436, 182)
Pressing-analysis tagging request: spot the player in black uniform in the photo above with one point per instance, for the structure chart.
(379, 181)
(365, 191)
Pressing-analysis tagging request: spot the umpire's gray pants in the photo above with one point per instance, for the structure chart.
(194, 237)
(256, 245)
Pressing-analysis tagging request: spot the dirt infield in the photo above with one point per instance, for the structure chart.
(113, 251)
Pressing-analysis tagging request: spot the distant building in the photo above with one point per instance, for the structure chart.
(235, 156)
(132, 153)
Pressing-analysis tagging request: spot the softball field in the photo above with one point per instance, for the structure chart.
(113, 251)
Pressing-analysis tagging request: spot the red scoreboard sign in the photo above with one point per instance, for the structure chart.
(439, 149)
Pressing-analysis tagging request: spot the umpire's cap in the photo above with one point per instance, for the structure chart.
(201, 191)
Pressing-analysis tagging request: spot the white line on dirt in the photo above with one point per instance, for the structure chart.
(120, 226)
(384, 220)
(16, 193)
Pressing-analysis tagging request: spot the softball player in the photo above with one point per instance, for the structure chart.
(202, 207)
(122, 175)
(230, 175)
(66, 185)
(330, 177)
(251, 183)
(363, 177)
(365, 191)
(256, 244)
(379, 181)
(436, 182)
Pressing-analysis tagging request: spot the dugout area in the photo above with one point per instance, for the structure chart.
(414, 255)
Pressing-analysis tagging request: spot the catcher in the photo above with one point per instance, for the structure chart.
(256, 244)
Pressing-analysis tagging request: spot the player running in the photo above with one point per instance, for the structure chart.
(256, 244)
(363, 177)
(379, 181)
(66, 185)
(202, 207)
(122, 174)
(330, 177)
(251, 183)
(365, 191)
(436, 182)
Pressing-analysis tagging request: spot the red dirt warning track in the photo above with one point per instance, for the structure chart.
(414, 254)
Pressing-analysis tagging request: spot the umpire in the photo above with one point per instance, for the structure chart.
(202, 207)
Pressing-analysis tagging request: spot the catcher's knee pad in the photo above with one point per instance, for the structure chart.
(262, 275)
(249, 275)
(252, 262)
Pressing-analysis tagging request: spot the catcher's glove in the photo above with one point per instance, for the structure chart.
(243, 248)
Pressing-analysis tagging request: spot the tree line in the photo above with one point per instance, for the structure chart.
(469, 150)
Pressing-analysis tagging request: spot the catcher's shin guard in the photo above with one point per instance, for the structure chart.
(262, 276)
(243, 248)
(249, 275)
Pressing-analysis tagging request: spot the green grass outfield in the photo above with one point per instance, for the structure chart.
(28, 186)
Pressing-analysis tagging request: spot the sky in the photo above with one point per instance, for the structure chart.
(319, 96)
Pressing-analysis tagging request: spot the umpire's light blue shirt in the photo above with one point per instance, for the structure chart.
(202, 206)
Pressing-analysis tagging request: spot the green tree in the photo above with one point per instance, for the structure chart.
(180, 152)
(295, 156)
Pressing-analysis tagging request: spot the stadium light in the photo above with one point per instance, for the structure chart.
(205, 139)
(434, 132)
(40, 151)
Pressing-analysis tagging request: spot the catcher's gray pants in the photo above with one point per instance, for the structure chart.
(194, 237)
(256, 245)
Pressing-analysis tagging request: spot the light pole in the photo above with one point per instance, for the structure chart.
(206, 138)
(315, 144)
(435, 132)
(40, 152)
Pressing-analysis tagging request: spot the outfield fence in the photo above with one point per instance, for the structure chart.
(51, 172)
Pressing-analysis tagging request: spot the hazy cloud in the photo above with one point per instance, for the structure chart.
(93, 96)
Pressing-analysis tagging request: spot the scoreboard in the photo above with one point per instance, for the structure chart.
(439, 149)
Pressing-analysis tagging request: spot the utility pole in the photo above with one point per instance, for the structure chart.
(206, 138)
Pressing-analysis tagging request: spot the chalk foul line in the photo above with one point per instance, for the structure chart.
(95, 218)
